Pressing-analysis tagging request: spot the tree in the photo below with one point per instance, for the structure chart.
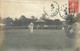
(57, 22)
(33, 19)
(43, 17)
(16, 22)
(77, 18)
(22, 20)
(8, 21)
(70, 19)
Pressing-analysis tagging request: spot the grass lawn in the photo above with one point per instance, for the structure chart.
(40, 39)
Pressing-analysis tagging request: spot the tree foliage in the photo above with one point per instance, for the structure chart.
(8, 21)
(24, 21)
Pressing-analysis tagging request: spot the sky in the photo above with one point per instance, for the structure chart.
(16, 8)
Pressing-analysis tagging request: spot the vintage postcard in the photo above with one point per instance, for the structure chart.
(39, 25)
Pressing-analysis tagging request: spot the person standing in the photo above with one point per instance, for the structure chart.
(31, 26)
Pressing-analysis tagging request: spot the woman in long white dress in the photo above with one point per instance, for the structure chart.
(31, 26)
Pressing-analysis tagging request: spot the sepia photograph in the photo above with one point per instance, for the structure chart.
(39, 25)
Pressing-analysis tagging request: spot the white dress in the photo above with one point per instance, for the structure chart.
(31, 27)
